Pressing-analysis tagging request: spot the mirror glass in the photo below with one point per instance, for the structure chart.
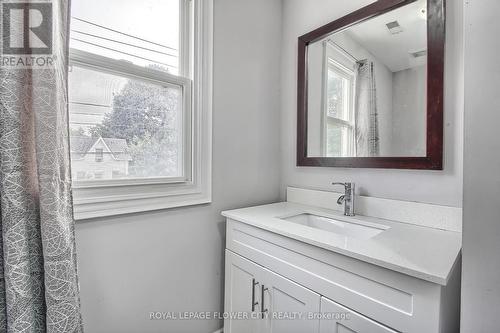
(367, 88)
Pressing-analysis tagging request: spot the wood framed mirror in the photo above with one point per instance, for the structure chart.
(370, 88)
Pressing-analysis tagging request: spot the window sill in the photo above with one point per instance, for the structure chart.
(90, 203)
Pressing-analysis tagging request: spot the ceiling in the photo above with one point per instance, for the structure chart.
(394, 50)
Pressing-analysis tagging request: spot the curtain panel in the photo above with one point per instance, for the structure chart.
(38, 274)
(367, 132)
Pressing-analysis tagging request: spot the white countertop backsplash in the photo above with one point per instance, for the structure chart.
(419, 251)
(423, 214)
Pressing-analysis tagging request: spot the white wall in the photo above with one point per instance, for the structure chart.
(172, 260)
(444, 187)
(315, 102)
(409, 117)
(481, 233)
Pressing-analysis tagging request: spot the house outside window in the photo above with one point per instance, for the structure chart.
(87, 156)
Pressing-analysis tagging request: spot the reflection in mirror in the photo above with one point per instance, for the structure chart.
(367, 88)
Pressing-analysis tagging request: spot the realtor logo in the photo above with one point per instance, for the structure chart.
(26, 34)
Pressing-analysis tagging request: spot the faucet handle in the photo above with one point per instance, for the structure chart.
(347, 186)
(348, 198)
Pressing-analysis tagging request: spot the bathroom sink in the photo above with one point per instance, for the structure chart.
(349, 229)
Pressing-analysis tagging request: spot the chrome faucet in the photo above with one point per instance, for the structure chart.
(347, 199)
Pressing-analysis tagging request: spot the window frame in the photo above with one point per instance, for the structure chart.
(99, 155)
(329, 63)
(94, 199)
(148, 75)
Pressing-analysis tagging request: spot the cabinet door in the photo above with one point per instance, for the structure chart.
(338, 319)
(242, 295)
(288, 306)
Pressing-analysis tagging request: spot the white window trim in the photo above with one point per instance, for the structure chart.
(349, 146)
(108, 198)
(117, 67)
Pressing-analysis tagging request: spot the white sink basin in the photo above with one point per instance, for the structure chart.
(349, 229)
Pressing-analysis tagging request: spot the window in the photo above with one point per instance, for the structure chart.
(99, 154)
(339, 97)
(136, 120)
(139, 94)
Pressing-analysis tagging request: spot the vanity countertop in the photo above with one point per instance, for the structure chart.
(422, 252)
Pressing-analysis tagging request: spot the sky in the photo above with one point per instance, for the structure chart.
(156, 21)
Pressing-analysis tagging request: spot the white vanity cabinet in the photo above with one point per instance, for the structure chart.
(275, 304)
(296, 287)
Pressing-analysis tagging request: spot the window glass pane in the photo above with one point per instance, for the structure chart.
(99, 154)
(123, 128)
(339, 140)
(143, 32)
(338, 94)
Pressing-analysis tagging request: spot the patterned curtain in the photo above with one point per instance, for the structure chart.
(367, 133)
(38, 276)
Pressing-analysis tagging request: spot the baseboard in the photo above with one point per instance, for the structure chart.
(219, 331)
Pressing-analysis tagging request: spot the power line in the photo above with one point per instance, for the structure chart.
(122, 33)
(83, 123)
(116, 41)
(129, 54)
(166, 111)
(114, 107)
(95, 115)
(91, 104)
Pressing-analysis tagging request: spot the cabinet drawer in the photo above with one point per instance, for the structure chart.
(339, 319)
